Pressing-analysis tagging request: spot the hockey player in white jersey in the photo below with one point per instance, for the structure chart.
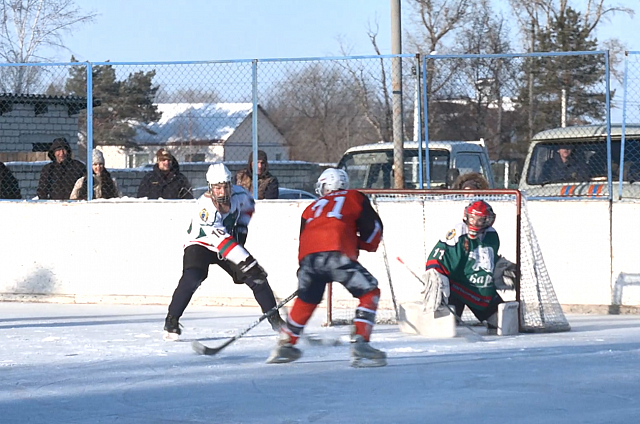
(216, 235)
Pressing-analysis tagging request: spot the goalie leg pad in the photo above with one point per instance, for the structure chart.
(436, 290)
(508, 318)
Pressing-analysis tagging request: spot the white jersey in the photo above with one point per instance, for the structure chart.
(211, 229)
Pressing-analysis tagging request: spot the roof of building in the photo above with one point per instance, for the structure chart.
(195, 122)
(587, 132)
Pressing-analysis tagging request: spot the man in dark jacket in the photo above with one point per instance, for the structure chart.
(267, 183)
(165, 180)
(564, 166)
(9, 188)
(58, 177)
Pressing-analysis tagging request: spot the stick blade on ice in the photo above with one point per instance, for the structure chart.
(201, 349)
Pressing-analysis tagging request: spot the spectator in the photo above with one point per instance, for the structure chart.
(58, 177)
(165, 181)
(564, 167)
(267, 183)
(470, 181)
(9, 188)
(104, 187)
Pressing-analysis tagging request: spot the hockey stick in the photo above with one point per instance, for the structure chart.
(201, 349)
(448, 307)
(386, 263)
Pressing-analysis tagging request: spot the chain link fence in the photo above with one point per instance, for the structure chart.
(627, 145)
(542, 120)
(540, 114)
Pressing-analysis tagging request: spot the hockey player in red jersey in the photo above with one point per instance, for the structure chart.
(216, 236)
(465, 269)
(332, 231)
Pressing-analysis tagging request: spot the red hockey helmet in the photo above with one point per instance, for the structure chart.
(478, 216)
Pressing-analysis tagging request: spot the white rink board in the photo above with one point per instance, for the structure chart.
(130, 251)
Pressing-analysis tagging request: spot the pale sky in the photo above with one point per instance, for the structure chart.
(172, 30)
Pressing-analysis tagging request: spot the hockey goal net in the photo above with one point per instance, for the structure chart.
(414, 220)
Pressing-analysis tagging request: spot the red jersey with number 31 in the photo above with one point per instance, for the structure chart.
(342, 221)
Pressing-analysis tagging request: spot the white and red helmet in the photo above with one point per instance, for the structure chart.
(478, 215)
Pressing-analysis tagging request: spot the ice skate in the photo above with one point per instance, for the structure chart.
(171, 329)
(284, 352)
(277, 323)
(365, 356)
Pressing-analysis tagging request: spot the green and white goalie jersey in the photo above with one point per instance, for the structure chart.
(469, 264)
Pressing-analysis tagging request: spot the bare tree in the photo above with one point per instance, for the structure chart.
(27, 29)
(371, 89)
(480, 84)
(437, 23)
(314, 108)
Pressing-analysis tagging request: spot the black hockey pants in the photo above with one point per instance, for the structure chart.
(195, 269)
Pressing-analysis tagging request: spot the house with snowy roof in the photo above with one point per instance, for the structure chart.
(201, 132)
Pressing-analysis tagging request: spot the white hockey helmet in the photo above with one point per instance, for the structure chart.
(218, 173)
(332, 179)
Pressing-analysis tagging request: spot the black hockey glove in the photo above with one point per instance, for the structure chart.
(252, 272)
(239, 232)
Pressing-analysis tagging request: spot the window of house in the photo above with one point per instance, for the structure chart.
(135, 160)
(196, 157)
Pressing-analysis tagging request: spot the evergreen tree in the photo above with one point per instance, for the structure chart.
(579, 79)
(120, 107)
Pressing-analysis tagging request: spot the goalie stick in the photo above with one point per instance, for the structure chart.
(448, 307)
(201, 349)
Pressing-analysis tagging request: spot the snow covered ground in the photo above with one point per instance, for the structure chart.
(108, 364)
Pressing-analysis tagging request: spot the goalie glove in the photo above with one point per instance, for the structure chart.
(504, 274)
(436, 290)
(252, 272)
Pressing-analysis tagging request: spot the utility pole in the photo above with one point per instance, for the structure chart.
(396, 85)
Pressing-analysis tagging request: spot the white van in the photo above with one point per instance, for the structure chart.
(371, 165)
(588, 147)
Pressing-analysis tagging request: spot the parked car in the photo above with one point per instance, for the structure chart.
(292, 193)
(371, 165)
(588, 144)
(283, 193)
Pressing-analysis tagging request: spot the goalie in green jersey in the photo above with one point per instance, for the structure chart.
(465, 269)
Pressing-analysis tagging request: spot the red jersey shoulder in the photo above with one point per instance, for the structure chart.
(349, 201)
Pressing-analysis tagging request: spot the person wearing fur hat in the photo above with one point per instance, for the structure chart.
(58, 177)
(470, 181)
(104, 186)
(165, 181)
(267, 183)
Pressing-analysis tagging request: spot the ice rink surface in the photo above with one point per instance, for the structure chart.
(67, 364)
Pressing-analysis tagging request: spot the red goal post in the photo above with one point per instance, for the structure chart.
(414, 220)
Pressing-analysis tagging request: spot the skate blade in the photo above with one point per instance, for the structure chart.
(368, 363)
(170, 337)
(275, 359)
